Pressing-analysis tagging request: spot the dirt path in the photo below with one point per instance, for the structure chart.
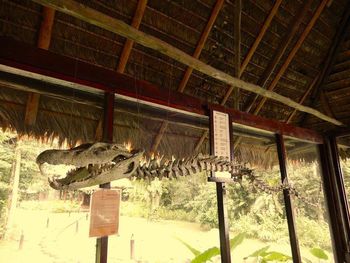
(63, 241)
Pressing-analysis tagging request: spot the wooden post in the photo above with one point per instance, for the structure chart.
(21, 241)
(337, 230)
(287, 200)
(132, 247)
(102, 243)
(220, 195)
(15, 176)
(223, 223)
(76, 227)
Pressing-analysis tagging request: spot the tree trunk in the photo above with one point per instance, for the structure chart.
(13, 197)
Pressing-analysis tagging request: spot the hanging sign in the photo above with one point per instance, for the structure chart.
(104, 213)
(221, 138)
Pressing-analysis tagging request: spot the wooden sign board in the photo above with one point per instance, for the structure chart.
(221, 138)
(104, 213)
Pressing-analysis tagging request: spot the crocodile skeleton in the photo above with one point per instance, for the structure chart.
(100, 163)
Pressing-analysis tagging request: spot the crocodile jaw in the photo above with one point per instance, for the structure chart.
(121, 169)
(95, 164)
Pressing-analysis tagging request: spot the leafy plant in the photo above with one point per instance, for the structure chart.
(210, 253)
(263, 255)
(319, 253)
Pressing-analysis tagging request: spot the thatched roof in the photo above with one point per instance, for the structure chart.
(181, 24)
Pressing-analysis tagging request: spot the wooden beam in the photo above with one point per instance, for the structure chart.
(124, 57)
(59, 71)
(280, 52)
(196, 54)
(159, 136)
(200, 142)
(237, 50)
(119, 27)
(301, 101)
(293, 52)
(31, 108)
(325, 105)
(44, 40)
(255, 45)
(331, 56)
(201, 43)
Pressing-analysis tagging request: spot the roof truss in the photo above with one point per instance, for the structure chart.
(114, 25)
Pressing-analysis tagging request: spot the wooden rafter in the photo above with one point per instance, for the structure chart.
(280, 52)
(196, 54)
(44, 40)
(201, 43)
(125, 54)
(301, 101)
(124, 57)
(331, 57)
(237, 50)
(255, 45)
(119, 27)
(159, 136)
(293, 52)
(325, 104)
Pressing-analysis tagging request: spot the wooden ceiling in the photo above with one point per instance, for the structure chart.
(299, 49)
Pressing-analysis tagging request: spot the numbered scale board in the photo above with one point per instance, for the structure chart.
(220, 135)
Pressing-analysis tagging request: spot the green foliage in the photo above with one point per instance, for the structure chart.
(319, 253)
(210, 253)
(237, 240)
(207, 255)
(262, 255)
(31, 182)
(312, 233)
(204, 205)
(192, 249)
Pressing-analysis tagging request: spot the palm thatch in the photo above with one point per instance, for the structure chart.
(180, 23)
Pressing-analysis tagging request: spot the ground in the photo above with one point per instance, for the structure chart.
(66, 241)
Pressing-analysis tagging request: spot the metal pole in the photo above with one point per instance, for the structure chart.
(223, 224)
(341, 188)
(329, 188)
(220, 195)
(108, 120)
(287, 200)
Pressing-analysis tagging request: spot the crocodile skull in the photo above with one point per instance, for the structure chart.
(95, 164)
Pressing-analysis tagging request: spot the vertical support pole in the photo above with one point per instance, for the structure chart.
(287, 200)
(223, 224)
(220, 195)
(338, 239)
(339, 179)
(13, 198)
(336, 199)
(108, 120)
